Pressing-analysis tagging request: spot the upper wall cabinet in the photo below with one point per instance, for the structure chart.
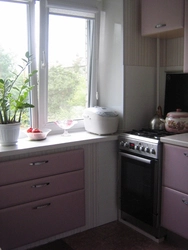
(162, 18)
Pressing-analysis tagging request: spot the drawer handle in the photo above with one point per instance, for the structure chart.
(186, 154)
(41, 185)
(185, 201)
(42, 206)
(160, 25)
(37, 163)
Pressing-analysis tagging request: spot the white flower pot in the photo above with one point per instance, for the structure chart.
(9, 134)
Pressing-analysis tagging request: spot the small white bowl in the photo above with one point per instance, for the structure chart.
(38, 136)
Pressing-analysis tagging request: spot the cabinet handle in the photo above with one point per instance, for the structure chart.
(37, 163)
(186, 154)
(185, 201)
(42, 206)
(41, 185)
(160, 25)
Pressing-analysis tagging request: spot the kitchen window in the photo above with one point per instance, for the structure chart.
(14, 40)
(63, 39)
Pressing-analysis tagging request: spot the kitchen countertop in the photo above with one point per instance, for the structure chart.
(54, 142)
(178, 139)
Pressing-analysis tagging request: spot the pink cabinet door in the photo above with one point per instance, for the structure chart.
(21, 225)
(175, 167)
(23, 192)
(174, 211)
(40, 166)
(160, 16)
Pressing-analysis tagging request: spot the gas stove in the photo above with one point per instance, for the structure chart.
(140, 162)
(144, 142)
(148, 133)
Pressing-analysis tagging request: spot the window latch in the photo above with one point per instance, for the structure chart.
(43, 62)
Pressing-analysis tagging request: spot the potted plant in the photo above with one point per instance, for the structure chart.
(13, 101)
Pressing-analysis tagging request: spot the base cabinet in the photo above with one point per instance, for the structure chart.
(38, 220)
(43, 207)
(174, 210)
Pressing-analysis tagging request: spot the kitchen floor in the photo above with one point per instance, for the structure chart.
(112, 236)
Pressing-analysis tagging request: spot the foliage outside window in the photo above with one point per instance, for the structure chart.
(67, 70)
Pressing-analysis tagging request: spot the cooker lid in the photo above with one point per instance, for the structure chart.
(103, 111)
(177, 114)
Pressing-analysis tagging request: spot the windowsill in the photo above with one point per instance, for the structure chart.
(54, 142)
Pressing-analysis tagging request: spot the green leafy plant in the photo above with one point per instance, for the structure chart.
(13, 97)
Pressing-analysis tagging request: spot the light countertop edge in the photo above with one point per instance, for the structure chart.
(178, 139)
(54, 142)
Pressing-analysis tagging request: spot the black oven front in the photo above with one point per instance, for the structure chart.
(140, 188)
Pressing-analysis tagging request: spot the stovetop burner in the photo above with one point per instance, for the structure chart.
(153, 134)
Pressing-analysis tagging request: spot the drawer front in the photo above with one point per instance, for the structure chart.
(21, 225)
(40, 166)
(175, 167)
(15, 194)
(175, 211)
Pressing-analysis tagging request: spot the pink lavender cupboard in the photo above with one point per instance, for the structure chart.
(175, 189)
(41, 196)
(162, 18)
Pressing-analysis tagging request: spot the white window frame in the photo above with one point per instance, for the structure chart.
(32, 49)
(46, 6)
(40, 92)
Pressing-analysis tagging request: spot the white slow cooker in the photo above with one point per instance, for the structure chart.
(101, 120)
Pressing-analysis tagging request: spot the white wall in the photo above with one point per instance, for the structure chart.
(140, 70)
(140, 96)
(128, 65)
(110, 85)
(140, 55)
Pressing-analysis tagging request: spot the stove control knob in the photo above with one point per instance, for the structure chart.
(141, 148)
(126, 144)
(121, 143)
(152, 151)
(136, 147)
(146, 150)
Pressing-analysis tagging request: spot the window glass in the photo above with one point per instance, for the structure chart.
(67, 68)
(13, 30)
(13, 42)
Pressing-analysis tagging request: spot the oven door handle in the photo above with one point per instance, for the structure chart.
(137, 158)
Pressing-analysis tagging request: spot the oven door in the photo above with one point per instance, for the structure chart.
(139, 188)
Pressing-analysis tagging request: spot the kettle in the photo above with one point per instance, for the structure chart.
(176, 122)
(156, 123)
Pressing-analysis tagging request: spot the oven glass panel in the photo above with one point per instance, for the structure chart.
(137, 189)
